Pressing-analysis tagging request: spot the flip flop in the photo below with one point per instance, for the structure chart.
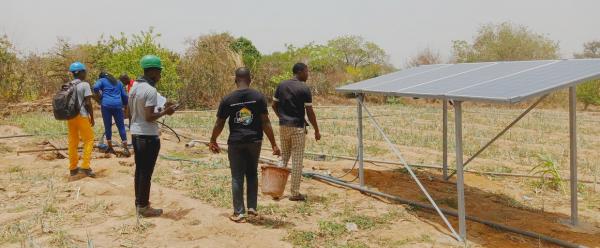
(239, 218)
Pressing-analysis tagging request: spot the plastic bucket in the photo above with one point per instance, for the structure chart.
(273, 180)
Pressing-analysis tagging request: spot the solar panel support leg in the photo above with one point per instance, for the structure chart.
(361, 169)
(445, 140)
(460, 183)
(514, 122)
(573, 152)
(411, 172)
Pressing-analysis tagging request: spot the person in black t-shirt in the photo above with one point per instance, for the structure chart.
(248, 117)
(292, 101)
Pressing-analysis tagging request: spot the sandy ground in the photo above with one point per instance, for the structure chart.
(42, 207)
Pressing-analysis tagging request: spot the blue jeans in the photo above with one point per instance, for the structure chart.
(107, 116)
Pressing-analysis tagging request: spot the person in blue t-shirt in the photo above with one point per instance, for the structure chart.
(113, 100)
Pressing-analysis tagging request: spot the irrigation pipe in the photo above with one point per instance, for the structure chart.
(424, 206)
(55, 149)
(445, 211)
(16, 136)
(377, 162)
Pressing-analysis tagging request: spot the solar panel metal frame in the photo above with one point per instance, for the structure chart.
(373, 85)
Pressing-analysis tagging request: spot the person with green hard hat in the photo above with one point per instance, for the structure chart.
(143, 100)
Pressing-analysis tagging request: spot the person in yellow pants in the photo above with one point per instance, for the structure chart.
(81, 125)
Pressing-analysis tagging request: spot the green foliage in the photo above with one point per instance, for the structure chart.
(339, 61)
(250, 55)
(355, 51)
(589, 93)
(547, 166)
(122, 54)
(331, 229)
(201, 75)
(8, 62)
(505, 42)
(301, 238)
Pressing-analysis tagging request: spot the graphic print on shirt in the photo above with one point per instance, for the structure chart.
(244, 116)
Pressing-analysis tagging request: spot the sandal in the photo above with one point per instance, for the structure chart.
(238, 218)
(252, 212)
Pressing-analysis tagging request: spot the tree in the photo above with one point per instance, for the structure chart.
(8, 62)
(425, 57)
(122, 54)
(590, 50)
(250, 55)
(589, 92)
(356, 51)
(505, 42)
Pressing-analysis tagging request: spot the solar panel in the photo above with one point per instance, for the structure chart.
(504, 82)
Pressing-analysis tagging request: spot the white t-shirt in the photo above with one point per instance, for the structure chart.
(82, 90)
(142, 95)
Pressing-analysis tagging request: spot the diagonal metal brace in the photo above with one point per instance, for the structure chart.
(535, 104)
(412, 174)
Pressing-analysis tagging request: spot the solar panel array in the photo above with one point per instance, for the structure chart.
(502, 82)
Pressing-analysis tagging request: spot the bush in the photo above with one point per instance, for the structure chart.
(122, 55)
(589, 93)
(207, 70)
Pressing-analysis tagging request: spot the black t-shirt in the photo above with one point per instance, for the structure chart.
(243, 108)
(292, 97)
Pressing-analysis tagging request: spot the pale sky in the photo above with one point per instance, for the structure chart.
(400, 27)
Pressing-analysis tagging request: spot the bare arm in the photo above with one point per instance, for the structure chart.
(276, 108)
(87, 104)
(217, 129)
(312, 118)
(268, 130)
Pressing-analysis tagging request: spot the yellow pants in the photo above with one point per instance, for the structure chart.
(80, 127)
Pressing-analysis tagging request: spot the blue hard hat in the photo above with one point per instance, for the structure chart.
(76, 66)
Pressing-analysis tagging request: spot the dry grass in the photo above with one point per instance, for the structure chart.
(416, 131)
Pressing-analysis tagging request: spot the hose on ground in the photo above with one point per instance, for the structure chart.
(445, 211)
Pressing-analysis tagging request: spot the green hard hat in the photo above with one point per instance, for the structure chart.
(150, 61)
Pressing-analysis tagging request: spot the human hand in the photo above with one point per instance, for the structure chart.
(317, 135)
(276, 151)
(214, 147)
(170, 110)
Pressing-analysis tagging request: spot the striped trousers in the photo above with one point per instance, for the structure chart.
(292, 146)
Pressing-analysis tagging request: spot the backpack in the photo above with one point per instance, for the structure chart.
(65, 103)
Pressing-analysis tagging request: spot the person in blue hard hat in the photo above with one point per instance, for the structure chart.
(113, 100)
(81, 125)
(143, 100)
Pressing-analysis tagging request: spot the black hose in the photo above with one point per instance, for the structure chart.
(348, 172)
(445, 211)
(171, 129)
